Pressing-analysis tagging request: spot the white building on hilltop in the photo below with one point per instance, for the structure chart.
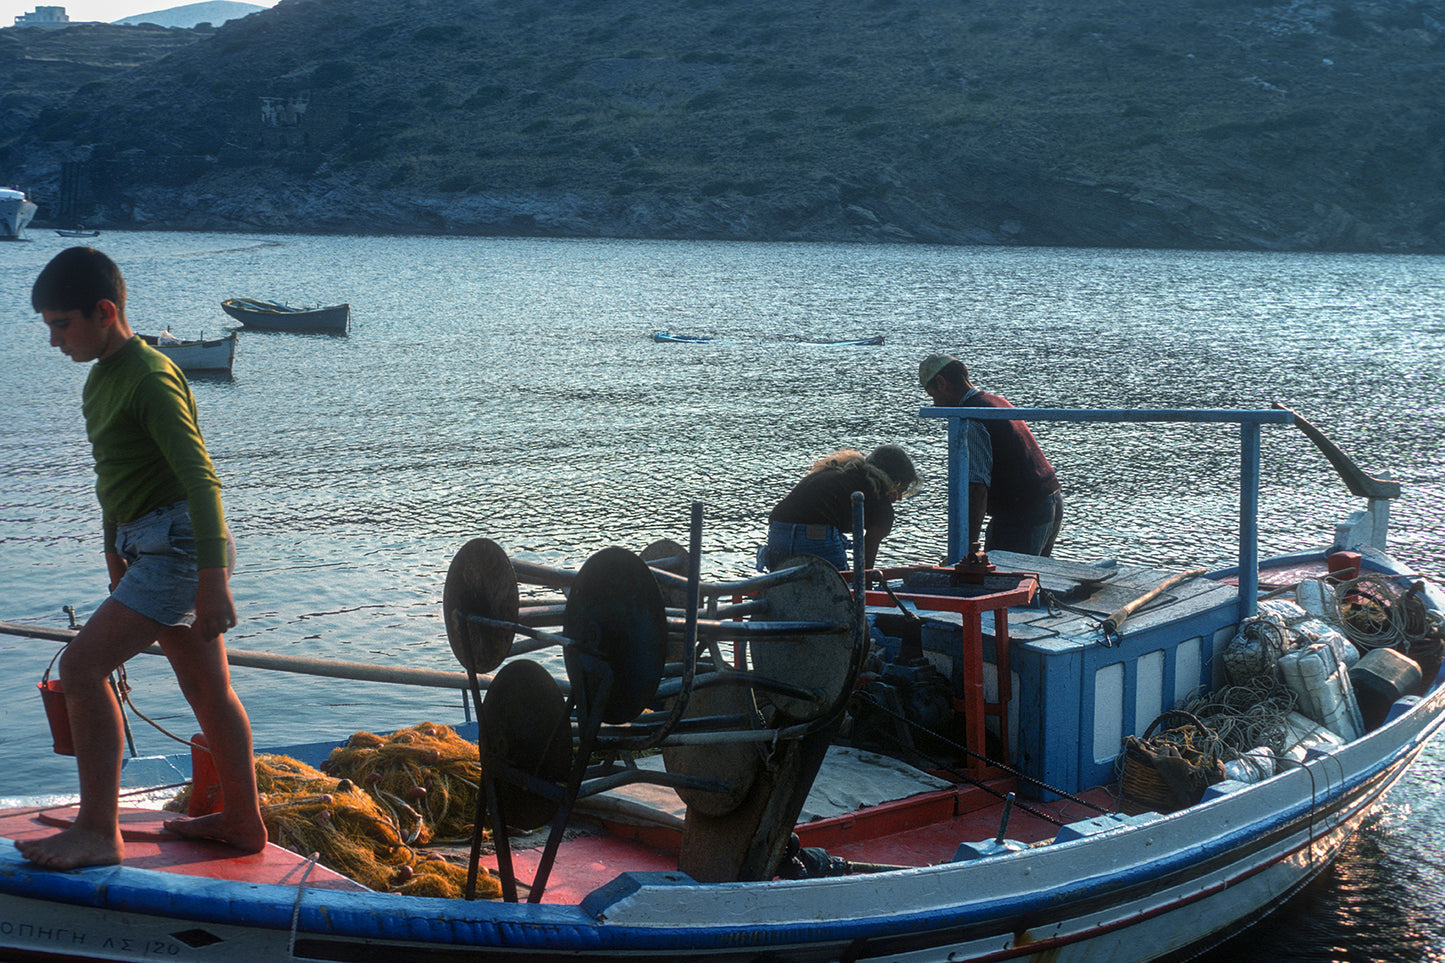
(43, 17)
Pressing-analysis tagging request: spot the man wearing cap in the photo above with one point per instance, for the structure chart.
(1009, 477)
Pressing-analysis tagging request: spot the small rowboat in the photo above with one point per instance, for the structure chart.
(216, 354)
(669, 337)
(848, 342)
(275, 316)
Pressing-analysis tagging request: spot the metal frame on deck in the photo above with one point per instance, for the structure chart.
(970, 700)
(1249, 464)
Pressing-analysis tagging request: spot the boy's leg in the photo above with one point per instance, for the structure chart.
(205, 680)
(109, 638)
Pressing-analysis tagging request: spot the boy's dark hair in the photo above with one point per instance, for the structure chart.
(77, 279)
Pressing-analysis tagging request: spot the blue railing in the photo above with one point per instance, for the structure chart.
(1249, 424)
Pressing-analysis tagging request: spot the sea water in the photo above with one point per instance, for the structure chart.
(509, 388)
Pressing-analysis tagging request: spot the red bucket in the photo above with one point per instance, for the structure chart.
(205, 784)
(56, 714)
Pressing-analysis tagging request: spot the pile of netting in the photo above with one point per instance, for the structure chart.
(427, 777)
(369, 834)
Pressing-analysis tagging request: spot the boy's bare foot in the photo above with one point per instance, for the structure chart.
(73, 848)
(246, 834)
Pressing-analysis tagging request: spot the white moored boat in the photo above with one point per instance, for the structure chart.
(201, 355)
(16, 210)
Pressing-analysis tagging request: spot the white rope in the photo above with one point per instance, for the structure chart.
(296, 907)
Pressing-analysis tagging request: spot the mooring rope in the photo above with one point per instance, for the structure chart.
(123, 690)
(296, 907)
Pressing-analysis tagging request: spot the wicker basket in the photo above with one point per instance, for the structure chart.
(1166, 769)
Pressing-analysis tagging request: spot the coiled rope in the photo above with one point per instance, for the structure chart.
(1375, 613)
(1247, 715)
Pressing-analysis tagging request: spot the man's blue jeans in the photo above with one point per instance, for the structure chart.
(1030, 530)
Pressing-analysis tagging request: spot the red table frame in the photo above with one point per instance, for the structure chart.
(971, 699)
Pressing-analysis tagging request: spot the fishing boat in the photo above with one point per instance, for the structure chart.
(275, 316)
(16, 211)
(669, 338)
(869, 341)
(202, 355)
(1002, 757)
(78, 231)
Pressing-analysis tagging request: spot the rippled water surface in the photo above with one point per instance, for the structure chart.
(508, 388)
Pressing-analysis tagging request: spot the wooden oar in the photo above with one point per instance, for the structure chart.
(1116, 621)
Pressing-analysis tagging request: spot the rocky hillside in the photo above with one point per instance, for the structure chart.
(1256, 124)
(41, 69)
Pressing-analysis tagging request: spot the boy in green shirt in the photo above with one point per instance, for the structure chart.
(168, 555)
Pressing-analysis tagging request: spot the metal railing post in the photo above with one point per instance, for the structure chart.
(1249, 461)
(958, 508)
(1249, 469)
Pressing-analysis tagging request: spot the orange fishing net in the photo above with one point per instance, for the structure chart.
(367, 837)
(426, 776)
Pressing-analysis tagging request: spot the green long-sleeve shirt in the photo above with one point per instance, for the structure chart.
(149, 453)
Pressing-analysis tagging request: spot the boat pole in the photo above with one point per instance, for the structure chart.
(1248, 519)
(300, 665)
(1115, 623)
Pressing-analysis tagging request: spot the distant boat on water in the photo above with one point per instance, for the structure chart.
(78, 231)
(669, 337)
(275, 316)
(851, 342)
(16, 210)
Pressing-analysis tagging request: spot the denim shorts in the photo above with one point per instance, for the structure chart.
(161, 576)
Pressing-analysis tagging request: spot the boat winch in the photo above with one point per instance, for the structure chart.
(741, 704)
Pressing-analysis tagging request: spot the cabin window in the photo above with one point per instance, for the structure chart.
(1108, 711)
(1188, 668)
(1148, 691)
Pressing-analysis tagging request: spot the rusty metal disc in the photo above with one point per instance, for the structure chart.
(734, 763)
(480, 581)
(819, 662)
(524, 721)
(663, 550)
(666, 550)
(615, 616)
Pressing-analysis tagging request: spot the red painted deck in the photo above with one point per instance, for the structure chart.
(919, 831)
(149, 845)
(1271, 576)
